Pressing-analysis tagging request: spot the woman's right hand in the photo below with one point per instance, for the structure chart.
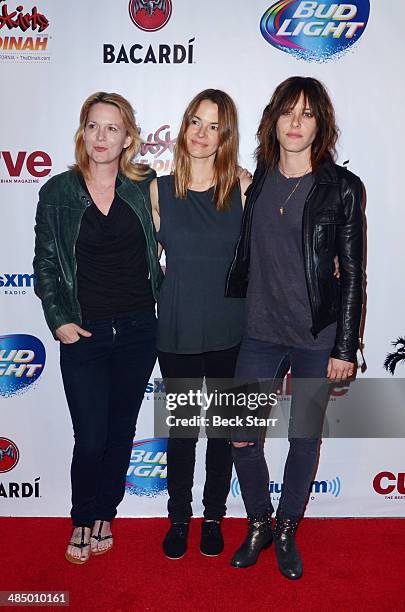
(70, 333)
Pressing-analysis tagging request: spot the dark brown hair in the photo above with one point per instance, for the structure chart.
(226, 158)
(284, 98)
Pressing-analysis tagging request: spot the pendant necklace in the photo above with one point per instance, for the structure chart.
(294, 189)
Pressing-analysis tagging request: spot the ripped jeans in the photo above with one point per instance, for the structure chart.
(263, 360)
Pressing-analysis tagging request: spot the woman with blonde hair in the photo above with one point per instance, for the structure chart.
(198, 212)
(98, 276)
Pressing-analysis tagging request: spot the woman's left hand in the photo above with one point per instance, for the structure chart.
(338, 369)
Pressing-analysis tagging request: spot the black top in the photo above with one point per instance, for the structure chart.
(278, 303)
(199, 241)
(112, 271)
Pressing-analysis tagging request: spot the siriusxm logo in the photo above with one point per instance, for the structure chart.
(22, 360)
(147, 471)
(155, 389)
(14, 284)
(314, 31)
(331, 487)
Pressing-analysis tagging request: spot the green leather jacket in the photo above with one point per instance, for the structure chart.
(62, 203)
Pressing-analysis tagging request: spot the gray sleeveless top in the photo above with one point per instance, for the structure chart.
(199, 242)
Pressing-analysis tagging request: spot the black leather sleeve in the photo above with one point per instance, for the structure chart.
(349, 241)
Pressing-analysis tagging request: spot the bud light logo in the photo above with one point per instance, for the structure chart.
(9, 455)
(314, 31)
(22, 360)
(332, 487)
(147, 471)
(150, 15)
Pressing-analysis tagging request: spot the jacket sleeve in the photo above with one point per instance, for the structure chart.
(46, 268)
(349, 237)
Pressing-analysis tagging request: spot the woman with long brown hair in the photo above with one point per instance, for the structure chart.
(302, 211)
(198, 211)
(98, 276)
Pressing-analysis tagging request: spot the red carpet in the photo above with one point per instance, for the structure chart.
(348, 564)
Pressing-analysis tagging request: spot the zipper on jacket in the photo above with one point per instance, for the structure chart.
(88, 203)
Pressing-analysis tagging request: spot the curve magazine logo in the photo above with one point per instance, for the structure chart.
(331, 487)
(150, 15)
(24, 166)
(22, 33)
(314, 31)
(22, 360)
(147, 471)
(9, 455)
(390, 484)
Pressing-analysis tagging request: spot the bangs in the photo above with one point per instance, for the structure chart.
(290, 97)
(284, 98)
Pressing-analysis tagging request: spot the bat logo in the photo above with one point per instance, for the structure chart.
(9, 455)
(150, 15)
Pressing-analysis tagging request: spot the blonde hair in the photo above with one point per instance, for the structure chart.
(226, 158)
(133, 171)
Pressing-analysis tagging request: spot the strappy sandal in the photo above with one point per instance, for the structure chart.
(99, 538)
(82, 545)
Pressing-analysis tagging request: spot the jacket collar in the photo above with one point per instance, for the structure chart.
(326, 172)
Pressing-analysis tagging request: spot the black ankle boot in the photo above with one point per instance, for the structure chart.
(288, 556)
(212, 541)
(175, 542)
(259, 536)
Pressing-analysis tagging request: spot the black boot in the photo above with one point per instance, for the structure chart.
(259, 536)
(288, 556)
(175, 542)
(212, 541)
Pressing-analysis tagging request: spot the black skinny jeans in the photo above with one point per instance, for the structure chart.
(263, 360)
(105, 377)
(181, 451)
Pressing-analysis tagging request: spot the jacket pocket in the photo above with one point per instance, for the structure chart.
(325, 229)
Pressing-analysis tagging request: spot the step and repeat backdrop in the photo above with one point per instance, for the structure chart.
(159, 54)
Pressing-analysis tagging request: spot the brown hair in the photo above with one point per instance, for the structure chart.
(285, 97)
(226, 158)
(133, 171)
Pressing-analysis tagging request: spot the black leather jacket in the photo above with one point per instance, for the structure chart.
(332, 224)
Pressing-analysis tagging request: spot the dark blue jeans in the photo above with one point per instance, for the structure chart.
(263, 360)
(105, 377)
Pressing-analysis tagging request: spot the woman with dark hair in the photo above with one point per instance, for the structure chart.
(198, 212)
(302, 211)
(98, 275)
